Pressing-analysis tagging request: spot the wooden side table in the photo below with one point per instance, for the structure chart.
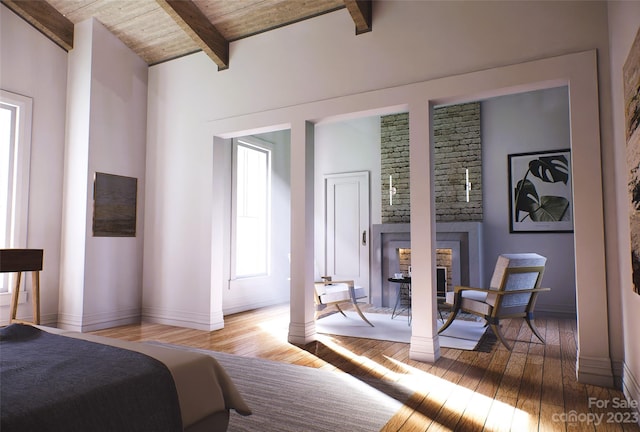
(18, 261)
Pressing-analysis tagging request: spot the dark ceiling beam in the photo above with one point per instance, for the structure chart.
(192, 21)
(360, 11)
(46, 19)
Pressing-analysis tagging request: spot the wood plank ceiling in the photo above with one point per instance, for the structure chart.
(161, 30)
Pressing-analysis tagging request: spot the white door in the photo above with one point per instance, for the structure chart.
(347, 226)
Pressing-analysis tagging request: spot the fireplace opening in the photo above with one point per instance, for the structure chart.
(444, 267)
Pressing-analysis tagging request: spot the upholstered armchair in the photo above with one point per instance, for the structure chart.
(512, 293)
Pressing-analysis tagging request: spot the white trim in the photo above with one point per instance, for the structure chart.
(424, 348)
(267, 148)
(594, 370)
(197, 321)
(630, 386)
(302, 334)
(241, 306)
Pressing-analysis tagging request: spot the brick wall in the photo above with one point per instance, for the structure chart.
(394, 156)
(457, 146)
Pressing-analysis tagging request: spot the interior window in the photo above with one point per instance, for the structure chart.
(252, 190)
(7, 134)
(15, 153)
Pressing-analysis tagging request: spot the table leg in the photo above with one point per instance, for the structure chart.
(35, 282)
(14, 298)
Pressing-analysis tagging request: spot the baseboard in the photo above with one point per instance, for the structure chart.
(232, 309)
(110, 323)
(69, 322)
(182, 319)
(560, 313)
(98, 321)
(301, 334)
(424, 349)
(631, 388)
(594, 370)
(618, 370)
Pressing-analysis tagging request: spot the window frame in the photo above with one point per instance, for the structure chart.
(18, 210)
(267, 148)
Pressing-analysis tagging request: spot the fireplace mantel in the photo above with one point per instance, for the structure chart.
(464, 237)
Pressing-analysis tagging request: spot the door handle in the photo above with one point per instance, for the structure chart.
(364, 238)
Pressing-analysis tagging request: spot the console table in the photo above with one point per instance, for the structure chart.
(18, 261)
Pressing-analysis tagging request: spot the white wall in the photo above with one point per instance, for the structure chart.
(107, 105)
(33, 66)
(624, 19)
(522, 123)
(411, 41)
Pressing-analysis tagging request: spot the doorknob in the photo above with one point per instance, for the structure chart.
(364, 238)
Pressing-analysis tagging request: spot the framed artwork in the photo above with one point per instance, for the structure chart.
(540, 192)
(114, 205)
(631, 77)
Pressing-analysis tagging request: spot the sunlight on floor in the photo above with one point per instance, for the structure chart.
(437, 392)
(457, 399)
(278, 327)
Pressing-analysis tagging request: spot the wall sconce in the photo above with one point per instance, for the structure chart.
(467, 183)
(392, 190)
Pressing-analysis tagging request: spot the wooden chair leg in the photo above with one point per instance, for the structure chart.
(452, 316)
(340, 310)
(361, 314)
(496, 330)
(534, 329)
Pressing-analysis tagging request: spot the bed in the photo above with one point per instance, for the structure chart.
(55, 380)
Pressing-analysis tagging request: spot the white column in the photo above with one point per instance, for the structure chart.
(425, 345)
(302, 327)
(593, 364)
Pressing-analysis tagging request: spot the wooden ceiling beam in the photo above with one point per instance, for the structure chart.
(46, 19)
(360, 11)
(192, 21)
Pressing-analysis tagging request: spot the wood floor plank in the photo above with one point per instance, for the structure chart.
(532, 387)
(500, 415)
(551, 418)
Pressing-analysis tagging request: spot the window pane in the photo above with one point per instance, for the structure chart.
(7, 128)
(252, 211)
(15, 154)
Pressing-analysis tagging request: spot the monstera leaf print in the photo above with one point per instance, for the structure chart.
(549, 169)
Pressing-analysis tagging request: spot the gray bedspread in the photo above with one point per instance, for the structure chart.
(55, 383)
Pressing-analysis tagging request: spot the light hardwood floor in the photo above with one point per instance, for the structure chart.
(531, 388)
